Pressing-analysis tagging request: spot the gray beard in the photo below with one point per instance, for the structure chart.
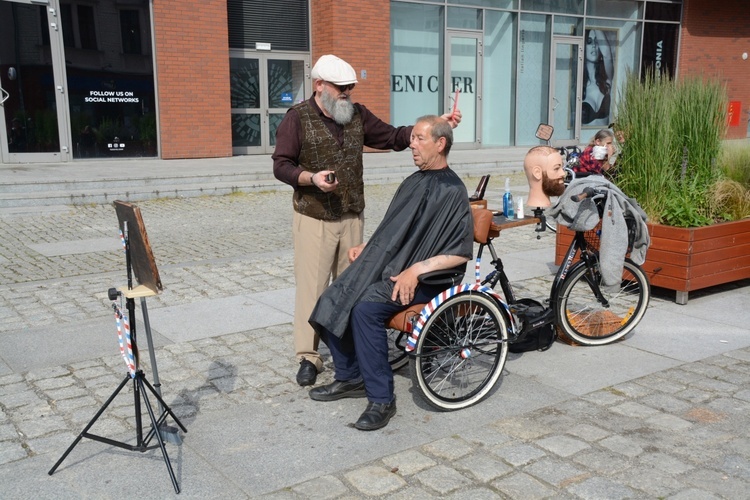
(340, 110)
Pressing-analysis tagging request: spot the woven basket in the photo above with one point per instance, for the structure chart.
(593, 236)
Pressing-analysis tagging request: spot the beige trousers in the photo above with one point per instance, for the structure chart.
(320, 255)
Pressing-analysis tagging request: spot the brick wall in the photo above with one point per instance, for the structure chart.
(714, 37)
(358, 32)
(192, 61)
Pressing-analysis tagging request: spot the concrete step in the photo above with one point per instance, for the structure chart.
(103, 182)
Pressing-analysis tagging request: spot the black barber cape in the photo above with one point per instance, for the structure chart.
(428, 216)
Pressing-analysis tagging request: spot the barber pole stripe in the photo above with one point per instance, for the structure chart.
(122, 321)
(122, 239)
(477, 274)
(411, 342)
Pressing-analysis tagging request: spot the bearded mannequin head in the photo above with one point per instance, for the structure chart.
(543, 167)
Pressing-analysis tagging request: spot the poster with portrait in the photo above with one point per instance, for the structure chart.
(600, 55)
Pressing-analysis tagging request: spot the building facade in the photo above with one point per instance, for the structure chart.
(84, 79)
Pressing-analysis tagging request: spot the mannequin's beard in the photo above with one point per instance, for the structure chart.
(341, 110)
(552, 187)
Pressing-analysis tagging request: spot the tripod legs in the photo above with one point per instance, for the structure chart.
(84, 432)
(155, 428)
(140, 385)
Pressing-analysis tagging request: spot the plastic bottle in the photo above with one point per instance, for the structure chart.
(508, 210)
(519, 210)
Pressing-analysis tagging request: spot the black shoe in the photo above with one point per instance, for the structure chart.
(307, 373)
(338, 390)
(376, 416)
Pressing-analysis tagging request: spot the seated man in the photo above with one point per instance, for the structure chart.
(428, 227)
(543, 166)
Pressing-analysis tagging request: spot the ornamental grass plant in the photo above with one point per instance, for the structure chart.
(673, 133)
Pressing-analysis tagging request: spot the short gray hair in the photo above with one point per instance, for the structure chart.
(439, 127)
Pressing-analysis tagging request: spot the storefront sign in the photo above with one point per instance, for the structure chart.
(420, 83)
(659, 48)
(113, 96)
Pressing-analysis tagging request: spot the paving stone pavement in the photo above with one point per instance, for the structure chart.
(679, 431)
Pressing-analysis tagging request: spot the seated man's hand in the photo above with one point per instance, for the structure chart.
(405, 284)
(355, 251)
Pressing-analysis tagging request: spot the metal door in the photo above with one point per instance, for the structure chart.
(566, 72)
(263, 88)
(464, 74)
(33, 104)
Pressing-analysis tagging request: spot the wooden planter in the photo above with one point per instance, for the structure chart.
(687, 259)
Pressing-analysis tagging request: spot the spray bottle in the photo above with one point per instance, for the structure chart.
(508, 210)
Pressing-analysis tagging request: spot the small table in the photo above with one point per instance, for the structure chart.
(500, 222)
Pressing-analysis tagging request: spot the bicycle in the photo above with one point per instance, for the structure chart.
(458, 344)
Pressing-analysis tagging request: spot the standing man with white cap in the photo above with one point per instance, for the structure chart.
(321, 136)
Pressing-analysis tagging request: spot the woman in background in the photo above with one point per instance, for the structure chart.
(595, 159)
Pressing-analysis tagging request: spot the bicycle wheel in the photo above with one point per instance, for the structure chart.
(397, 356)
(461, 352)
(584, 319)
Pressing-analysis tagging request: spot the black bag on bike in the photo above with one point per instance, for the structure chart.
(539, 339)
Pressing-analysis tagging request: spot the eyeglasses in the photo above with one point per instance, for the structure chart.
(343, 88)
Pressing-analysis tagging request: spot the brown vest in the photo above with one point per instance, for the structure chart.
(321, 151)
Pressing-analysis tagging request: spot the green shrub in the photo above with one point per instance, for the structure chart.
(673, 133)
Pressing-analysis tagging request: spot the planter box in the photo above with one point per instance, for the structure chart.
(687, 259)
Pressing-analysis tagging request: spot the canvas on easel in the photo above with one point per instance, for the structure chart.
(140, 262)
(142, 258)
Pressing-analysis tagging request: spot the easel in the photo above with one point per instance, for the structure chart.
(130, 214)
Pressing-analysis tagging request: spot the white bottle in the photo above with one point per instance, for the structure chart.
(519, 210)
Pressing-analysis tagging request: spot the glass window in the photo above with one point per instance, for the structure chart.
(44, 26)
(663, 11)
(463, 50)
(416, 61)
(498, 104)
(86, 27)
(572, 26)
(111, 90)
(533, 76)
(79, 26)
(286, 83)
(467, 19)
(245, 130)
(559, 6)
(130, 29)
(498, 4)
(66, 17)
(29, 95)
(625, 39)
(244, 83)
(623, 9)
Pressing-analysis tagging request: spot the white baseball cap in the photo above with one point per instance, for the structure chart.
(333, 69)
